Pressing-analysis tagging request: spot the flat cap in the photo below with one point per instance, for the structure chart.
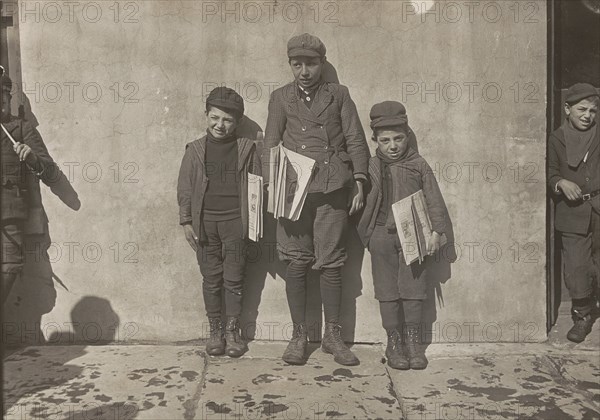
(305, 45)
(580, 91)
(224, 97)
(388, 114)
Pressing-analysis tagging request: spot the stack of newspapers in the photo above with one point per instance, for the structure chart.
(255, 207)
(414, 226)
(289, 174)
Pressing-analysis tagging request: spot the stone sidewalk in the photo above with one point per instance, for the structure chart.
(554, 380)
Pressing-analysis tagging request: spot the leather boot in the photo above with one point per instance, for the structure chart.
(333, 344)
(295, 353)
(416, 355)
(581, 328)
(216, 343)
(235, 346)
(394, 351)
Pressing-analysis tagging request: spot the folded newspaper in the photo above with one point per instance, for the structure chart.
(255, 207)
(414, 227)
(289, 174)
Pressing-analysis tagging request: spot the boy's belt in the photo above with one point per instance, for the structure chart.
(589, 196)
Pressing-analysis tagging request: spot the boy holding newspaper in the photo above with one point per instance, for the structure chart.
(397, 172)
(215, 176)
(319, 121)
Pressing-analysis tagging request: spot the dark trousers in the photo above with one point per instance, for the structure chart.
(393, 311)
(316, 239)
(222, 261)
(392, 278)
(581, 259)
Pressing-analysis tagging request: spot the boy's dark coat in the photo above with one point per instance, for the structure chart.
(573, 216)
(409, 175)
(192, 182)
(329, 132)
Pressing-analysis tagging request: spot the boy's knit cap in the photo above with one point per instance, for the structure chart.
(580, 91)
(388, 114)
(224, 97)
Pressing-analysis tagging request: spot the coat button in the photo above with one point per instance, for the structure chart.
(304, 146)
(326, 162)
(320, 126)
(303, 128)
(587, 179)
(326, 147)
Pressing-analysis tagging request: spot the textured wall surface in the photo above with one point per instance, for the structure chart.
(118, 89)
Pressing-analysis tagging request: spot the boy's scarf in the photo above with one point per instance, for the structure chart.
(408, 154)
(577, 142)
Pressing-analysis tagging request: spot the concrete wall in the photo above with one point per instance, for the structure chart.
(118, 96)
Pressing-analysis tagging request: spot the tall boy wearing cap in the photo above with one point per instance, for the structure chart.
(213, 210)
(574, 178)
(23, 166)
(396, 172)
(319, 120)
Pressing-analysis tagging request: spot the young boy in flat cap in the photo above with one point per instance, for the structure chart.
(319, 120)
(396, 172)
(213, 210)
(574, 178)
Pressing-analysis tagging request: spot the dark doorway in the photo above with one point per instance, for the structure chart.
(573, 56)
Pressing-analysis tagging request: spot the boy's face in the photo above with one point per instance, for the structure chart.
(392, 142)
(582, 114)
(221, 124)
(307, 70)
(6, 97)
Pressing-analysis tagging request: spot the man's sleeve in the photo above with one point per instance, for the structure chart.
(356, 143)
(276, 123)
(45, 167)
(184, 187)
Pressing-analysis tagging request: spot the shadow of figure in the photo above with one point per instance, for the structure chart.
(41, 382)
(33, 294)
(439, 271)
(94, 321)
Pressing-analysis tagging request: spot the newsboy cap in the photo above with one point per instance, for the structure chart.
(224, 97)
(580, 91)
(388, 114)
(305, 45)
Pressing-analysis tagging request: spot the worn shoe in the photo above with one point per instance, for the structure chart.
(216, 343)
(581, 328)
(416, 355)
(295, 353)
(333, 344)
(395, 353)
(234, 346)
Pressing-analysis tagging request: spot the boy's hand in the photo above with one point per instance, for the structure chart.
(358, 200)
(191, 236)
(25, 154)
(570, 189)
(434, 243)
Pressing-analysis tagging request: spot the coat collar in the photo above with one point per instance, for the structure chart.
(323, 98)
(244, 149)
